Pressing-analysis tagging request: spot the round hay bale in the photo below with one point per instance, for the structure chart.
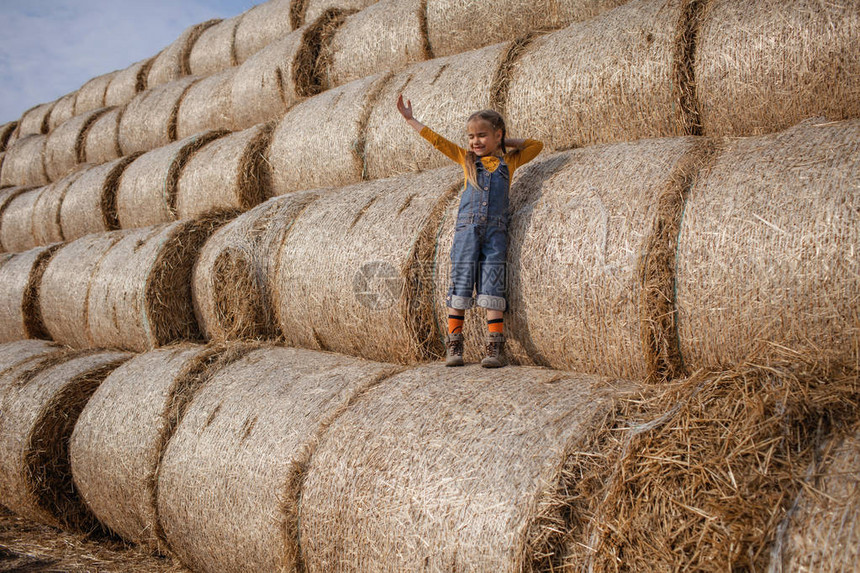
(822, 532)
(91, 95)
(450, 470)
(214, 50)
(228, 484)
(173, 62)
(127, 83)
(605, 80)
(16, 222)
(64, 148)
(40, 408)
(89, 205)
(101, 142)
(228, 173)
(260, 26)
(233, 276)
(207, 105)
(124, 429)
(63, 111)
(140, 295)
(763, 68)
(149, 120)
(65, 287)
(585, 229)
(34, 121)
(20, 275)
(352, 272)
(7, 130)
(329, 124)
(444, 92)
(276, 77)
(455, 26)
(305, 11)
(146, 192)
(24, 163)
(47, 226)
(388, 35)
(7, 194)
(765, 260)
(23, 352)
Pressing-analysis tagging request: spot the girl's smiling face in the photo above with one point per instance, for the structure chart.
(483, 139)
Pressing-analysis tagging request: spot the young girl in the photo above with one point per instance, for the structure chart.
(480, 234)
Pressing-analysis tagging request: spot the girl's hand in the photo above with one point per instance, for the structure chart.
(405, 109)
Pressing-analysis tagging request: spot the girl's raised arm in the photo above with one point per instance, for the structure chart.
(453, 151)
(405, 110)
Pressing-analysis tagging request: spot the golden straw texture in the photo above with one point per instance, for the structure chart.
(35, 120)
(149, 120)
(91, 95)
(127, 83)
(260, 26)
(214, 50)
(16, 222)
(102, 138)
(207, 105)
(89, 205)
(22, 352)
(23, 163)
(313, 9)
(64, 148)
(46, 224)
(63, 110)
(20, 276)
(7, 130)
(173, 62)
(227, 485)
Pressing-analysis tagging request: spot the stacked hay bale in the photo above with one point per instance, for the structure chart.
(149, 120)
(214, 51)
(46, 223)
(304, 11)
(127, 83)
(173, 62)
(20, 279)
(16, 221)
(64, 148)
(207, 105)
(34, 121)
(7, 131)
(260, 26)
(102, 138)
(24, 162)
(91, 95)
(63, 111)
(7, 195)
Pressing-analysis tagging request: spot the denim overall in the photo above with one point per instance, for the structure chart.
(480, 241)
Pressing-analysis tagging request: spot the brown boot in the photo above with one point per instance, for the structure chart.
(495, 347)
(454, 350)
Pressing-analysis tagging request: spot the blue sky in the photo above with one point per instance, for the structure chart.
(49, 48)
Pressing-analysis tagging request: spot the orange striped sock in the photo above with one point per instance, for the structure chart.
(496, 325)
(455, 324)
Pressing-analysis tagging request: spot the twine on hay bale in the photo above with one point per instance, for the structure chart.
(352, 274)
(232, 279)
(304, 11)
(46, 224)
(41, 405)
(91, 95)
(765, 260)
(149, 120)
(236, 510)
(64, 148)
(65, 287)
(388, 35)
(483, 489)
(7, 130)
(117, 444)
(173, 62)
(63, 111)
(89, 205)
(207, 105)
(146, 192)
(147, 303)
(214, 51)
(24, 163)
(127, 83)
(276, 77)
(16, 221)
(34, 121)
(616, 74)
(260, 26)
(20, 276)
(444, 92)
(703, 480)
(329, 124)
(101, 142)
(227, 173)
(766, 67)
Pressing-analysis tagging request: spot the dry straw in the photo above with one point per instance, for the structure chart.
(20, 275)
(16, 222)
(147, 303)
(40, 407)
(214, 50)
(46, 224)
(766, 260)
(228, 485)
(207, 105)
(331, 124)
(7, 130)
(91, 95)
(149, 120)
(7, 195)
(452, 469)
(63, 111)
(703, 482)
(64, 148)
(764, 67)
(23, 163)
(89, 205)
(352, 274)
(101, 143)
(228, 173)
(146, 192)
(232, 281)
(65, 287)
(444, 92)
(260, 26)
(455, 26)
(389, 35)
(822, 531)
(608, 79)
(276, 77)
(121, 434)
(127, 83)
(174, 61)
(306, 11)
(23, 352)
(35, 120)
